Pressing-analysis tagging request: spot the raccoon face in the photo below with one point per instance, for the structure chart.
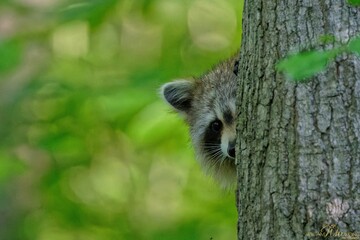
(208, 105)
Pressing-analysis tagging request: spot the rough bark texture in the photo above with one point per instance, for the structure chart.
(298, 153)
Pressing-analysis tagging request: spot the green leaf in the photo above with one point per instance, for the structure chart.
(354, 2)
(354, 45)
(305, 64)
(93, 11)
(10, 55)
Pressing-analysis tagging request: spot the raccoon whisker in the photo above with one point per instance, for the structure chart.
(212, 163)
(212, 149)
(222, 160)
(216, 156)
(217, 163)
(209, 144)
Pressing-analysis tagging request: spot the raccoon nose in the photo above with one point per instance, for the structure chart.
(231, 149)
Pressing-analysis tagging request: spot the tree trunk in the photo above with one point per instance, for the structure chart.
(298, 155)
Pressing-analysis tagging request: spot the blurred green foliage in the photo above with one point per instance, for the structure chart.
(303, 65)
(87, 148)
(354, 2)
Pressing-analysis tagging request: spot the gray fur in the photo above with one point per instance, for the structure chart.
(210, 97)
(178, 94)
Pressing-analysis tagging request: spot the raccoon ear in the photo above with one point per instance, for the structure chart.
(178, 94)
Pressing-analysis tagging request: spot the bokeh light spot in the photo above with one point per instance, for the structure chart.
(212, 24)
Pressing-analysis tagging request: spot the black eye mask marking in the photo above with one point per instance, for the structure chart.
(212, 137)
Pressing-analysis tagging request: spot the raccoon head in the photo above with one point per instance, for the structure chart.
(208, 105)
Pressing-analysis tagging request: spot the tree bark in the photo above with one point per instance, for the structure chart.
(298, 152)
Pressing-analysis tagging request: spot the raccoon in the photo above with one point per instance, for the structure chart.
(208, 106)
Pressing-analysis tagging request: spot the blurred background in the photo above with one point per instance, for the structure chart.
(88, 150)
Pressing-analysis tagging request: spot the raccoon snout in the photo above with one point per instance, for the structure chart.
(231, 149)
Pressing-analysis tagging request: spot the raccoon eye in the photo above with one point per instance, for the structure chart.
(216, 126)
